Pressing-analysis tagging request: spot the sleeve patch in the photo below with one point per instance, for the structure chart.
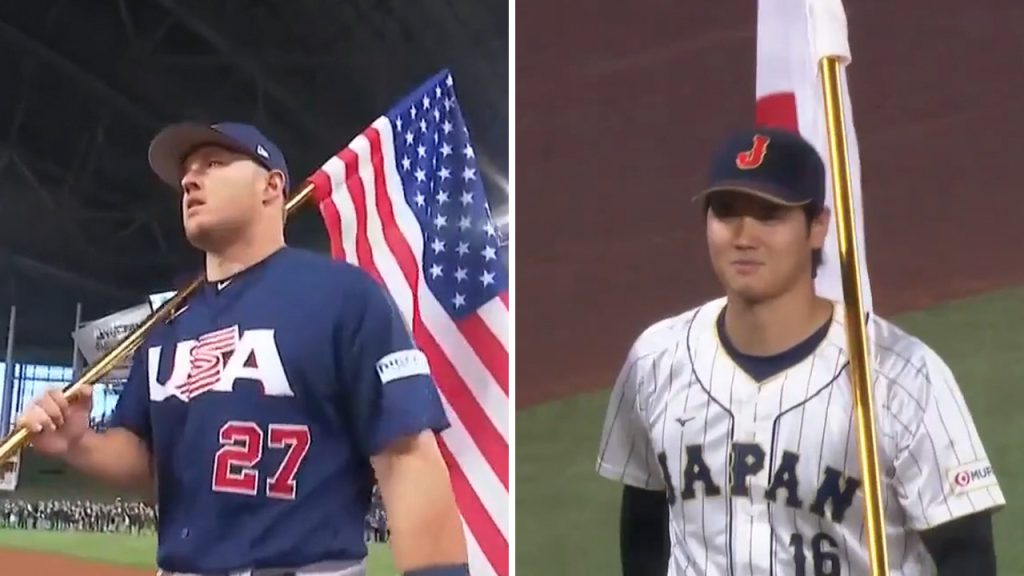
(402, 364)
(972, 476)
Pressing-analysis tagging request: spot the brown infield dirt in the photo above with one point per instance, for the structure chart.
(619, 109)
(25, 563)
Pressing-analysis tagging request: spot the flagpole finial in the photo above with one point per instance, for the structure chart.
(829, 36)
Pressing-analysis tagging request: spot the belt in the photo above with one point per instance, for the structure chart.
(328, 568)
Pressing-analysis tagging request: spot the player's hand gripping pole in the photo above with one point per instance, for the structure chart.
(856, 335)
(126, 347)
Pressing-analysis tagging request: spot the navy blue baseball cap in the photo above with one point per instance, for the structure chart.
(170, 147)
(777, 165)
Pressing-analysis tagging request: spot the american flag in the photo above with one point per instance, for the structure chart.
(405, 201)
(206, 361)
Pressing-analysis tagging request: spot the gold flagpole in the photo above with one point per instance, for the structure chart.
(126, 347)
(856, 335)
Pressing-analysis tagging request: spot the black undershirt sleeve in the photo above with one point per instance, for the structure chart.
(963, 546)
(643, 532)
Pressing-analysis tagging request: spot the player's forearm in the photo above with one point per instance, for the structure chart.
(965, 545)
(429, 532)
(426, 529)
(643, 532)
(116, 456)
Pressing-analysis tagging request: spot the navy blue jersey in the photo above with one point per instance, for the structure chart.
(262, 402)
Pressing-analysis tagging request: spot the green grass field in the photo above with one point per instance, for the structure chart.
(566, 515)
(124, 549)
(128, 550)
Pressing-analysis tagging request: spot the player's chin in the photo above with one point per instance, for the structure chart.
(748, 289)
(199, 232)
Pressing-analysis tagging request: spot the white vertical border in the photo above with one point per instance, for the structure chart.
(511, 284)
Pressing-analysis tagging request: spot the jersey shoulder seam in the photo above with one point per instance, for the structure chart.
(664, 334)
(915, 354)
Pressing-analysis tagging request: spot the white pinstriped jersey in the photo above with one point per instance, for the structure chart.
(764, 478)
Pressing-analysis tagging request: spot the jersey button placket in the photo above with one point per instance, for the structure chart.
(762, 419)
(744, 507)
(743, 411)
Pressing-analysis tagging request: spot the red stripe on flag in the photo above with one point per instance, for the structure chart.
(477, 422)
(485, 344)
(486, 532)
(397, 243)
(322, 191)
(358, 194)
(504, 298)
(777, 110)
(488, 348)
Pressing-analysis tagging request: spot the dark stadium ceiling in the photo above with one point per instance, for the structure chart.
(87, 84)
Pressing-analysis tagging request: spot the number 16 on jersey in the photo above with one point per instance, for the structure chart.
(824, 560)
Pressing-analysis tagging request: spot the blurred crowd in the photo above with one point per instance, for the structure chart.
(127, 517)
(376, 525)
(78, 515)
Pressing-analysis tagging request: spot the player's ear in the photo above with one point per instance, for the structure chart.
(275, 186)
(819, 227)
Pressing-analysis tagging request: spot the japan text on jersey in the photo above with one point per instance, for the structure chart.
(262, 402)
(764, 477)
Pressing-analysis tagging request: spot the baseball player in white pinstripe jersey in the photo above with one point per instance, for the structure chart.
(732, 425)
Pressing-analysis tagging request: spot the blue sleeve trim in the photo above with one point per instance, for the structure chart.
(409, 407)
(453, 570)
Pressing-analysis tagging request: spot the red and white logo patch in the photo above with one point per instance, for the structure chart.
(207, 360)
(972, 476)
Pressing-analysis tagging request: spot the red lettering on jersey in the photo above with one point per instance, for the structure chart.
(207, 360)
(234, 469)
(750, 159)
(296, 440)
(242, 448)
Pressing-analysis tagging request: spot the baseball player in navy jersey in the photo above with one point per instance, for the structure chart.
(263, 411)
(732, 425)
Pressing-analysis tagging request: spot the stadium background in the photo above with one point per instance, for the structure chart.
(617, 116)
(83, 222)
